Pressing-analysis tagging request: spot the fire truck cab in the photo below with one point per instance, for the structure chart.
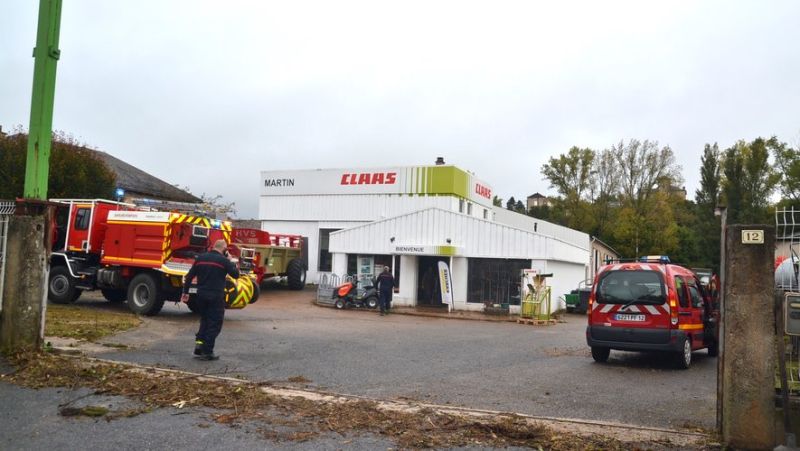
(651, 305)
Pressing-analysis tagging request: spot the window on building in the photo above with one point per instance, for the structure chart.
(485, 214)
(495, 281)
(325, 258)
(469, 208)
(82, 218)
(461, 206)
(392, 261)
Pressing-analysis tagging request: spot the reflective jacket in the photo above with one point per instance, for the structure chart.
(210, 269)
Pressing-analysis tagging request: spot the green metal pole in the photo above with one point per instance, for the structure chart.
(46, 56)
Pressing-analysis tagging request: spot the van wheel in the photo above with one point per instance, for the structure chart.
(713, 349)
(144, 295)
(599, 354)
(683, 359)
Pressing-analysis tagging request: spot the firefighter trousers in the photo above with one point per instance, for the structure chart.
(211, 307)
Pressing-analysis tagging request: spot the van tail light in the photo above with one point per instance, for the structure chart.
(673, 308)
(591, 303)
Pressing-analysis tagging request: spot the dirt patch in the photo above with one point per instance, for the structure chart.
(302, 415)
(70, 321)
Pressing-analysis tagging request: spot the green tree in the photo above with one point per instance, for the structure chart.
(75, 171)
(520, 207)
(647, 176)
(511, 204)
(570, 175)
(707, 198)
(749, 180)
(604, 193)
(787, 160)
(497, 201)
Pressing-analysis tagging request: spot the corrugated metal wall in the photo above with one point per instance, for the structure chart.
(474, 237)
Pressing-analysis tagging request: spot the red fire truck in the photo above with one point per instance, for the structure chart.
(132, 254)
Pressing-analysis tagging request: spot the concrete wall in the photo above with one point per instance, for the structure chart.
(25, 286)
(748, 337)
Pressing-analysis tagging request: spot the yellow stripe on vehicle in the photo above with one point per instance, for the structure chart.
(130, 260)
(690, 326)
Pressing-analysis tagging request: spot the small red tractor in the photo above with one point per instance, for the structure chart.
(273, 256)
(132, 254)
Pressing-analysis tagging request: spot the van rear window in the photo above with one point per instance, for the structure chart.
(623, 287)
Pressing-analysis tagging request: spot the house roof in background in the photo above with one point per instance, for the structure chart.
(134, 180)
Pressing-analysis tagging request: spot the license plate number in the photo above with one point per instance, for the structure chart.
(192, 290)
(624, 317)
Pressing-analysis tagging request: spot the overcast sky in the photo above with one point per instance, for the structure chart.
(208, 94)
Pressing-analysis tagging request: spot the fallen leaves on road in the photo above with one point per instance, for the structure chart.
(298, 418)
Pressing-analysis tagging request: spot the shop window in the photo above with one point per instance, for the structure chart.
(495, 281)
(392, 261)
(325, 259)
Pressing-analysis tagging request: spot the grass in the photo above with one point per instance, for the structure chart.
(81, 323)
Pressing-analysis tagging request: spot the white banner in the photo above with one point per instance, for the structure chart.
(447, 284)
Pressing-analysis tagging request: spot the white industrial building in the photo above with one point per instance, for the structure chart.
(356, 220)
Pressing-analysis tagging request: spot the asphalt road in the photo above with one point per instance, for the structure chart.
(534, 370)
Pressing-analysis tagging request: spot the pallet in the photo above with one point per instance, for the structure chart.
(536, 322)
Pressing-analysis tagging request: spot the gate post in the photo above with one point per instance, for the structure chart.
(748, 394)
(26, 268)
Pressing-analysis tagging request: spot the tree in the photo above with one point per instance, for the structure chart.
(570, 175)
(749, 180)
(520, 207)
(707, 198)
(75, 171)
(511, 204)
(647, 176)
(497, 201)
(787, 160)
(603, 192)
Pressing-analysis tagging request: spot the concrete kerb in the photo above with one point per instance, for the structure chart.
(624, 432)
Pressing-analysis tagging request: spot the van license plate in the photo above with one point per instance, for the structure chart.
(192, 290)
(623, 317)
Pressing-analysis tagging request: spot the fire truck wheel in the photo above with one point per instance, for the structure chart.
(114, 295)
(144, 295)
(339, 304)
(256, 293)
(683, 359)
(61, 289)
(296, 273)
(599, 354)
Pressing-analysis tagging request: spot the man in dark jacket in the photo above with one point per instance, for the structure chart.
(385, 287)
(210, 269)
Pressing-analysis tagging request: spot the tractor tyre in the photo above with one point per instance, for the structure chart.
(296, 273)
(144, 295)
(61, 287)
(371, 302)
(256, 293)
(114, 295)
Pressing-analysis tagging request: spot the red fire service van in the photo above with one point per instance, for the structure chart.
(651, 305)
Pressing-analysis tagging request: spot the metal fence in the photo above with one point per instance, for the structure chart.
(6, 211)
(787, 255)
(327, 283)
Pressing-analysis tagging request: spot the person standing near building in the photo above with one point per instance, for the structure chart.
(210, 269)
(385, 286)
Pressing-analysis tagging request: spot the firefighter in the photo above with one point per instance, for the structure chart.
(210, 269)
(385, 286)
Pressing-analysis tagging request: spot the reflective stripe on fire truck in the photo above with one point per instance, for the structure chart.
(690, 327)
